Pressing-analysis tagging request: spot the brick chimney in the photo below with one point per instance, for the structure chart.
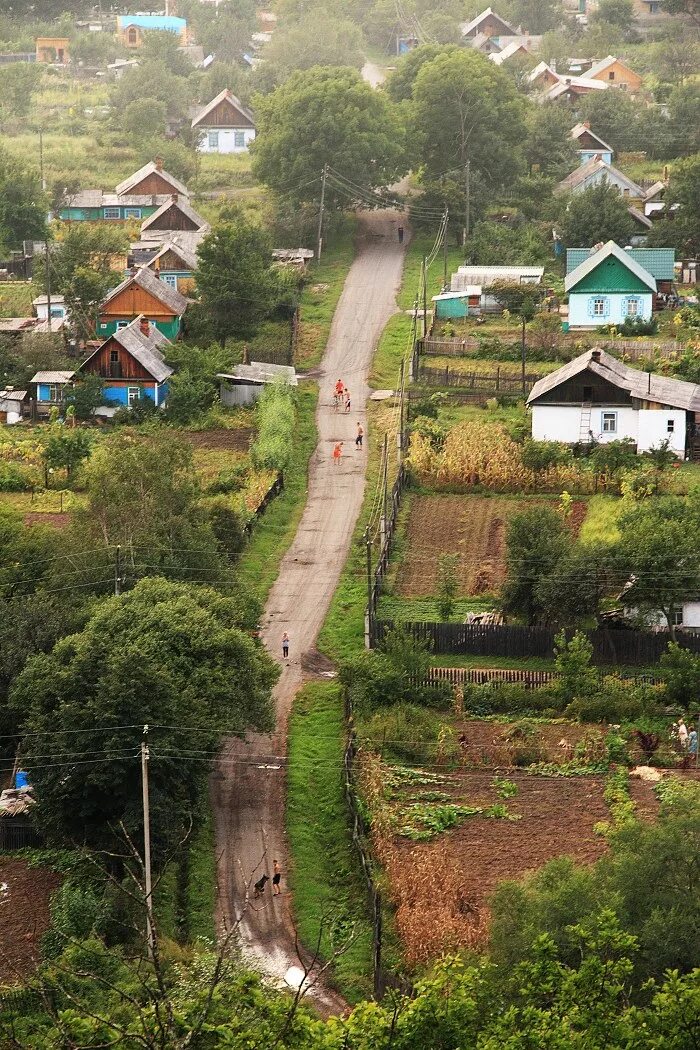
(595, 355)
(144, 326)
(174, 197)
(587, 124)
(159, 163)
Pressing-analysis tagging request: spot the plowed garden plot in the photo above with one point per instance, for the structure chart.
(236, 439)
(24, 915)
(441, 888)
(471, 527)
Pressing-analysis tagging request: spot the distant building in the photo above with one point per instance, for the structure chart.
(487, 24)
(589, 145)
(175, 214)
(613, 72)
(613, 284)
(135, 198)
(469, 288)
(131, 364)
(570, 88)
(58, 307)
(246, 383)
(595, 171)
(172, 263)
(131, 29)
(12, 404)
(53, 50)
(152, 178)
(48, 390)
(224, 125)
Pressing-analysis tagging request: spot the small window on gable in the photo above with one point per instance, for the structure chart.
(588, 393)
(670, 426)
(114, 356)
(609, 422)
(611, 74)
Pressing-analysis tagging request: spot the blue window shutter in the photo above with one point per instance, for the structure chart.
(591, 306)
(606, 306)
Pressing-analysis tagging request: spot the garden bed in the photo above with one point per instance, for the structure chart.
(24, 915)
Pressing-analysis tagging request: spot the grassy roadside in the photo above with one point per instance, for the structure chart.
(397, 334)
(320, 297)
(324, 876)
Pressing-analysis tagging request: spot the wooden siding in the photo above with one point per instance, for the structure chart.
(153, 183)
(127, 366)
(168, 262)
(133, 301)
(226, 115)
(588, 141)
(586, 386)
(172, 219)
(622, 75)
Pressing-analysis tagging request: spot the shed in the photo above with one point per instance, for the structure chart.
(41, 306)
(245, 384)
(49, 389)
(11, 404)
(458, 304)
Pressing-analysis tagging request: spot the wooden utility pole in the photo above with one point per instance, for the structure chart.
(444, 250)
(385, 499)
(147, 843)
(425, 298)
(324, 175)
(401, 413)
(467, 201)
(370, 610)
(118, 571)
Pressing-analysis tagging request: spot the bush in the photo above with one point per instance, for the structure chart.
(227, 526)
(276, 418)
(76, 914)
(229, 481)
(406, 731)
(13, 478)
(681, 671)
(540, 455)
(507, 698)
(638, 326)
(614, 702)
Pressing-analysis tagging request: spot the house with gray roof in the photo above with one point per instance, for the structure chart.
(595, 171)
(131, 365)
(596, 397)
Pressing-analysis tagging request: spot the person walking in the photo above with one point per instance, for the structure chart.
(347, 400)
(693, 743)
(339, 389)
(285, 646)
(400, 233)
(276, 879)
(360, 435)
(682, 734)
(337, 453)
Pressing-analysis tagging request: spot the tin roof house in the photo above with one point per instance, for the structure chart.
(131, 364)
(224, 125)
(610, 284)
(135, 198)
(595, 397)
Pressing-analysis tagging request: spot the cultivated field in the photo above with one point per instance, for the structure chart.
(474, 528)
(24, 915)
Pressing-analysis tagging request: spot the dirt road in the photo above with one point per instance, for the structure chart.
(248, 787)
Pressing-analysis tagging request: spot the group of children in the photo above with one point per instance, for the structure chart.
(342, 396)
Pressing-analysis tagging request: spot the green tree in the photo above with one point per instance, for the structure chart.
(235, 280)
(399, 85)
(572, 659)
(535, 16)
(689, 8)
(143, 120)
(85, 396)
(616, 118)
(23, 205)
(65, 449)
(448, 585)
(683, 230)
(327, 116)
(549, 147)
(165, 654)
(598, 213)
(318, 38)
(573, 592)
(536, 539)
(618, 13)
(18, 83)
(467, 109)
(164, 46)
(681, 671)
(152, 80)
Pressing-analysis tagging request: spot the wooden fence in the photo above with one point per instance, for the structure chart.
(388, 534)
(274, 490)
(476, 382)
(633, 348)
(17, 833)
(495, 677)
(610, 647)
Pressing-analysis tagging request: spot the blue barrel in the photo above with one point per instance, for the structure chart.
(21, 779)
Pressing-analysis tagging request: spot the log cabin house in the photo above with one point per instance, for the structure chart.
(131, 364)
(141, 293)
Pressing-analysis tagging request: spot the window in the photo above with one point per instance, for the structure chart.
(54, 392)
(132, 213)
(670, 426)
(632, 307)
(213, 140)
(133, 36)
(132, 394)
(609, 421)
(113, 357)
(676, 618)
(112, 213)
(169, 278)
(57, 311)
(122, 324)
(611, 74)
(599, 307)
(654, 7)
(239, 139)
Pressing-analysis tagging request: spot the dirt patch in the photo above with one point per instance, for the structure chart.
(57, 521)
(646, 802)
(24, 915)
(238, 439)
(500, 743)
(315, 663)
(441, 888)
(579, 509)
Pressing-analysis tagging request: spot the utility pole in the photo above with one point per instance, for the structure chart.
(467, 201)
(118, 571)
(47, 256)
(324, 175)
(370, 610)
(41, 159)
(385, 497)
(522, 356)
(147, 842)
(425, 298)
(401, 403)
(444, 250)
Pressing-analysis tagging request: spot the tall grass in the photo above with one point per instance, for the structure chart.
(272, 449)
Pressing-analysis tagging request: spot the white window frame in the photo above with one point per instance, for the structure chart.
(599, 301)
(123, 324)
(632, 307)
(677, 618)
(213, 139)
(170, 279)
(133, 393)
(132, 213)
(112, 213)
(608, 422)
(239, 139)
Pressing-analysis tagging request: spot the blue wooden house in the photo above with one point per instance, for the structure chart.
(590, 145)
(48, 390)
(135, 198)
(613, 284)
(131, 365)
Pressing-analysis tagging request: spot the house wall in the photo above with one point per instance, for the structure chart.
(119, 391)
(142, 211)
(589, 154)
(580, 308)
(622, 77)
(226, 140)
(647, 427)
(168, 325)
(452, 307)
(240, 393)
(57, 310)
(654, 429)
(604, 176)
(154, 183)
(10, 412)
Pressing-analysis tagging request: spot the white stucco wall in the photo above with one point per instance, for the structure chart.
(227, 140)
(691, 616)
(579, 317)
(653, 429)
(648, 427)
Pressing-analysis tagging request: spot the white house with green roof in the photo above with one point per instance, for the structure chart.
(610, 284)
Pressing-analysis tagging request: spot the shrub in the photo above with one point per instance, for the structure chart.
(681, 671)
(615, 701)
(406, 731)
(573, 662)
(508, 698)
(228, 481)
(227, 526)
(276, 417)
(76, 914)
(540, 455)
(13, 478)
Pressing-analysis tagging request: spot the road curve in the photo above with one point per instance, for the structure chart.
(248, 785)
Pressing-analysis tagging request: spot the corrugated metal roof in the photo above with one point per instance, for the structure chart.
(592, 167)
(645, 386)
(486, 275)
(613, 279)
(52, 377)
(101, 199)
(656, 261)
(261, 372)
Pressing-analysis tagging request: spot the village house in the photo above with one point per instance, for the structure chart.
(12, 404)
(48, 390)
(136, 198)
(469, 288)
(131, 29)
(175, 214)
(515, 47)
(58, 307)
(53, 50)
(131, 364)
(172, 263)
(608, 285)
(141, 293)
(595, 171)
(224, 125)
(246, 382)
(615, 73)
(543, 75)
(152, 178)
(488, 24)
(570, 88)
(589, 145)
(595, 397)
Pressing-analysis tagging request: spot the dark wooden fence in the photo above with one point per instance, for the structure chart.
(498, 382)
(495, 677)
(635, 648)
(17, 833)
(462, 346)
(274, 490)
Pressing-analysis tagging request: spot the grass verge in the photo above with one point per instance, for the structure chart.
(324, 877)
(320, 298)
(259, 565)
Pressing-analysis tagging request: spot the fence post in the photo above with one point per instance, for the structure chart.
(498, 377)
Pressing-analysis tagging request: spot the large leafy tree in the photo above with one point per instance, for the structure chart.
(399, 86)
(327, 116)
(683, 230)
(599, 213)
(235, 280)
(18, 82)
(316, 39)
(536, 540)
(165, 654)
(549, 147)
(535, 16)
(467, 109)
(23, 205)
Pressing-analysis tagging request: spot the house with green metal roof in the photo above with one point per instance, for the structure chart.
(610, 284)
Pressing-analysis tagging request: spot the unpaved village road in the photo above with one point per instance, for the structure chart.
(248, 788)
